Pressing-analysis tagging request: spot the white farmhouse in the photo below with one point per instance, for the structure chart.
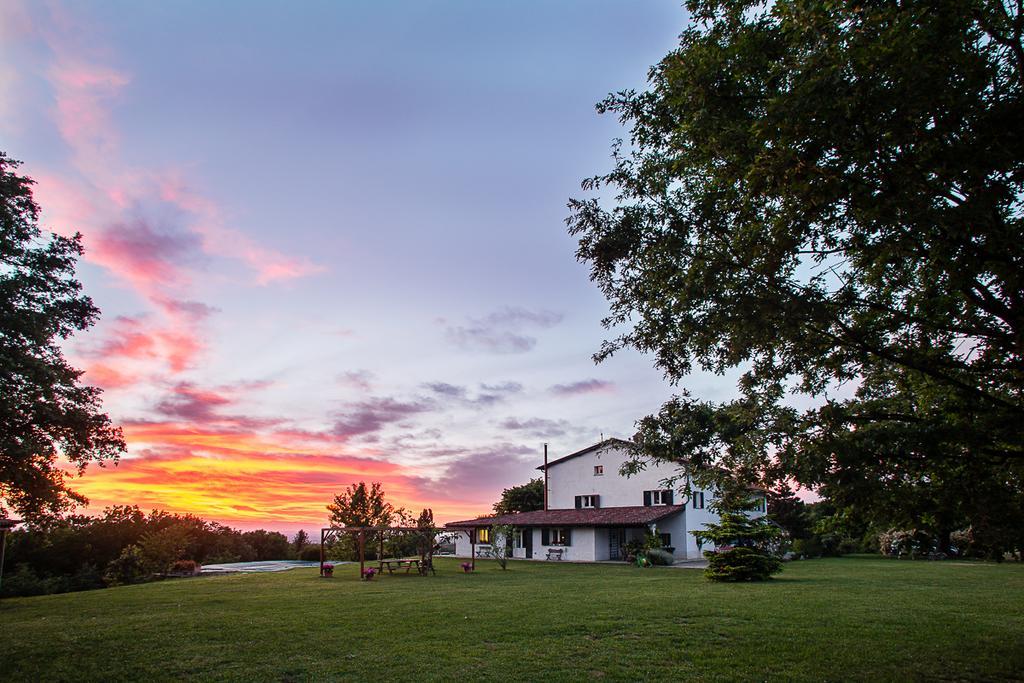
(593, 510)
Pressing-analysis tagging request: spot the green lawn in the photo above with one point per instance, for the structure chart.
(841, 619)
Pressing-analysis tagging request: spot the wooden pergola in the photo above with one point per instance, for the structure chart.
(333, 533)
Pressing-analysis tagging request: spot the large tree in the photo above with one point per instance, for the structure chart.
(522, 498)
(828, 197)
(45, 412)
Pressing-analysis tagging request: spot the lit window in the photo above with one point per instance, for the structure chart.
(483, 536)
(598, 470)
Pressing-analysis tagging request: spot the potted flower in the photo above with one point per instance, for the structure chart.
(328, 570)
(368, 574)
(467, 567)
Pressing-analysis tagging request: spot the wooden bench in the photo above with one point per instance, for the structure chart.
(555, 553)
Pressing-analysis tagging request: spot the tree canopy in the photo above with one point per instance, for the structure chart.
(44, 412)
(828, 197)
(359, 506)
(522, 498)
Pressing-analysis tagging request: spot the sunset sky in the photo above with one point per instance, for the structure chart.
(328, 239)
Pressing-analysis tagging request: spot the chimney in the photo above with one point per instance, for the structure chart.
(545, 477)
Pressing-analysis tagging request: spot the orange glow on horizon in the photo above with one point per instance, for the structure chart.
(250, 481)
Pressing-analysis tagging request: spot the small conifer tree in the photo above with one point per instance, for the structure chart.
(742, 544)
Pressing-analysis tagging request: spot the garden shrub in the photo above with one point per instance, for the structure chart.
(660, 557)
(632, 548)
(808, 547)
(900, 542)
(188, 567)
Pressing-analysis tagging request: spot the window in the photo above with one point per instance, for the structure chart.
(759, 504)
(598, 470)
(697, 498)
(588, 501)
(561, 536)
(666, 540)
(661, 497)
(483, 535)
(517, 537)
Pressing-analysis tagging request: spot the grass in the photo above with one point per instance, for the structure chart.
(838, 619)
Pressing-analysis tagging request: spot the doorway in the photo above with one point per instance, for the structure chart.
(616, 539)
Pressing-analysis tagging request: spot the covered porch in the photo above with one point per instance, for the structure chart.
(587, 535)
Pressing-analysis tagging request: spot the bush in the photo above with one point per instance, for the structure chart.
(129, 567)
(740, 564)
(310, 553)
(660, 557)
(808, 547)
(186, 567)
(85, 579)
(23, 582)
(900, 542)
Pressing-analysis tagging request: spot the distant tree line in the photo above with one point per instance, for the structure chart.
(125, 545)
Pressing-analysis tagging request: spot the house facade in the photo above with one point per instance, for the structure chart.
(593, 511)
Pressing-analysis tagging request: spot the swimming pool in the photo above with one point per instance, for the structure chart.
(254, 567)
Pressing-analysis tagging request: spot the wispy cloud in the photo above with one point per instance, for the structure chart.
(486, 395)
(502, 330)
(481, 475)
(536, 426)
(357, 379)
(366, 418)
(586, 386)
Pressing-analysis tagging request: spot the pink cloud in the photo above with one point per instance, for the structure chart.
(130, 340)
(114, 204)
(82, 93)
(269, 265)
(144, 255)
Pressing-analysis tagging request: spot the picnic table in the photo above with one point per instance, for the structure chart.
(398, 562)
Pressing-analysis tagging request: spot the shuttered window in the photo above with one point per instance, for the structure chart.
(556, 536)
(697, 500)
(587, 501)
(659, 497)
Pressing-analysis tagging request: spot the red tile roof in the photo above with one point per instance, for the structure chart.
(638, 515)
